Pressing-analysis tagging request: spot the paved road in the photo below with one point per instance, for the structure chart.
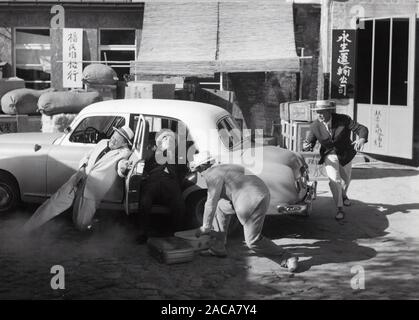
(379, 240)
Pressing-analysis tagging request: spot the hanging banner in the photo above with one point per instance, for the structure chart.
(72, 57)
(343, 64)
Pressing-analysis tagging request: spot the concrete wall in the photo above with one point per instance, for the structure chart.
(88, 19)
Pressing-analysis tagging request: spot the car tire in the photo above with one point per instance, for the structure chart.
(9, 193)
(195, 204)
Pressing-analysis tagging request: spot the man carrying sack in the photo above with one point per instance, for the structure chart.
(333, 131)
(87, 187)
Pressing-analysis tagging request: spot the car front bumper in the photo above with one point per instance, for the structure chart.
(304, 207)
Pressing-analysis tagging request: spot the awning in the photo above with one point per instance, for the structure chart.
(257, 36)
(199, 39)
(178, 39)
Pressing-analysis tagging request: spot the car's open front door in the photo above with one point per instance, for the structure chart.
(134, 176)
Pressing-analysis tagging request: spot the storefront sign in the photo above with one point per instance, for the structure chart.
(72, 57)
(343, 64)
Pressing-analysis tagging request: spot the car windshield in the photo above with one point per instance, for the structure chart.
(230, 133)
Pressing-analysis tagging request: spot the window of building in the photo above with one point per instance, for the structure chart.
(383, 48)
(118, 47)
(33, 57)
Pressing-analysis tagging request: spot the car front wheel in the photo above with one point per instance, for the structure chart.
(9, 193)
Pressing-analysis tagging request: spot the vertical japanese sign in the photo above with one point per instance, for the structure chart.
(72, 57)
(343, 64)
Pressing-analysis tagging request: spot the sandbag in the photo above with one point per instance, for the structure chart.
(99, 74)
(9, 84)
(56, 122)
(22, 101)
(66, 101)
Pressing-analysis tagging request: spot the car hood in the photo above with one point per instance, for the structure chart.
(30, 138)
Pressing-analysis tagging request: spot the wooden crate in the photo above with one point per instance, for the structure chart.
(285, 134)
(106, 91)
(301, 111)
(19, 123)
(284, 112)
(299, 132)
(149, 90)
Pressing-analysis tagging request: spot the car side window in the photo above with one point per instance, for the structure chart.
(93, 129)
(229, 132)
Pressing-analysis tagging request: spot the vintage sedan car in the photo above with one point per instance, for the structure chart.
(34, 165)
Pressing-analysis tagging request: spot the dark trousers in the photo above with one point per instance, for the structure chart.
(163, 190)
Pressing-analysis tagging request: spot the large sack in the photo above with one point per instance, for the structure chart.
(57, 122)
(9, 84)
(99, 74)
(22, 101)
(51, 103)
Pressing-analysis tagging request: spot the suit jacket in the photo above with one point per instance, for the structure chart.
(102, 173)
(339, 141)
(243, 191)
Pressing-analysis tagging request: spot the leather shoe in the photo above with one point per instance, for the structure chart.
(291, 263)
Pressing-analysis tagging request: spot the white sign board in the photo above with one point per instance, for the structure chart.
(72, 57)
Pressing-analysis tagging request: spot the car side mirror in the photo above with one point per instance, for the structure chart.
(67, 130)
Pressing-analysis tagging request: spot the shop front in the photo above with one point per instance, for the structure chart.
(373, 73)
(32, 47)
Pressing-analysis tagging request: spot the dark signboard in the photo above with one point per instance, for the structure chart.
(343, 63)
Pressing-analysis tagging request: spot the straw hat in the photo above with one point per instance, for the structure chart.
(323, 105)
(125, 132)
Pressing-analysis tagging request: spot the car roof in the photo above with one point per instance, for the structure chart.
(186, 111)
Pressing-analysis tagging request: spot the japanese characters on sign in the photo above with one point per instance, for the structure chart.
(72, 58)
(343, 64)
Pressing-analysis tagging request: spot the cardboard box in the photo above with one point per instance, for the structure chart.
(149, 90)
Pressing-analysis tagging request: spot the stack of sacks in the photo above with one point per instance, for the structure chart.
(9, 84)
(101, 78)
(22, 101)
(99, 74)
(59, 109)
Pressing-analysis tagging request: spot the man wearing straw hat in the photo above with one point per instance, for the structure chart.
(333, 132)
(86, 188)
(231, 190)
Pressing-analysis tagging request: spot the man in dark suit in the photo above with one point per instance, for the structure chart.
(333, 132)
(162, 184)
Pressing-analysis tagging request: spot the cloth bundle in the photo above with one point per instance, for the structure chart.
(99, 74)
(52, 103)
(22, 101)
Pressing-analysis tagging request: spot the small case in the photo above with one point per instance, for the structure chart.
(170, 250)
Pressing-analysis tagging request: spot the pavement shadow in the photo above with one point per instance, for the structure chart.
(329, 241)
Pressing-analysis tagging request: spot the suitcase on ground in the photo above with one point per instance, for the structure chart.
(170, 250)
(202, 243)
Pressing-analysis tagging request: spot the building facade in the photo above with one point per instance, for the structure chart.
(383, 82)
(264, 52)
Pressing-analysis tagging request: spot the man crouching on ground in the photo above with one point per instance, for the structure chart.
(231, 191)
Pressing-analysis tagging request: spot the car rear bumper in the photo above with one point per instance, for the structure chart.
(304, 207)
